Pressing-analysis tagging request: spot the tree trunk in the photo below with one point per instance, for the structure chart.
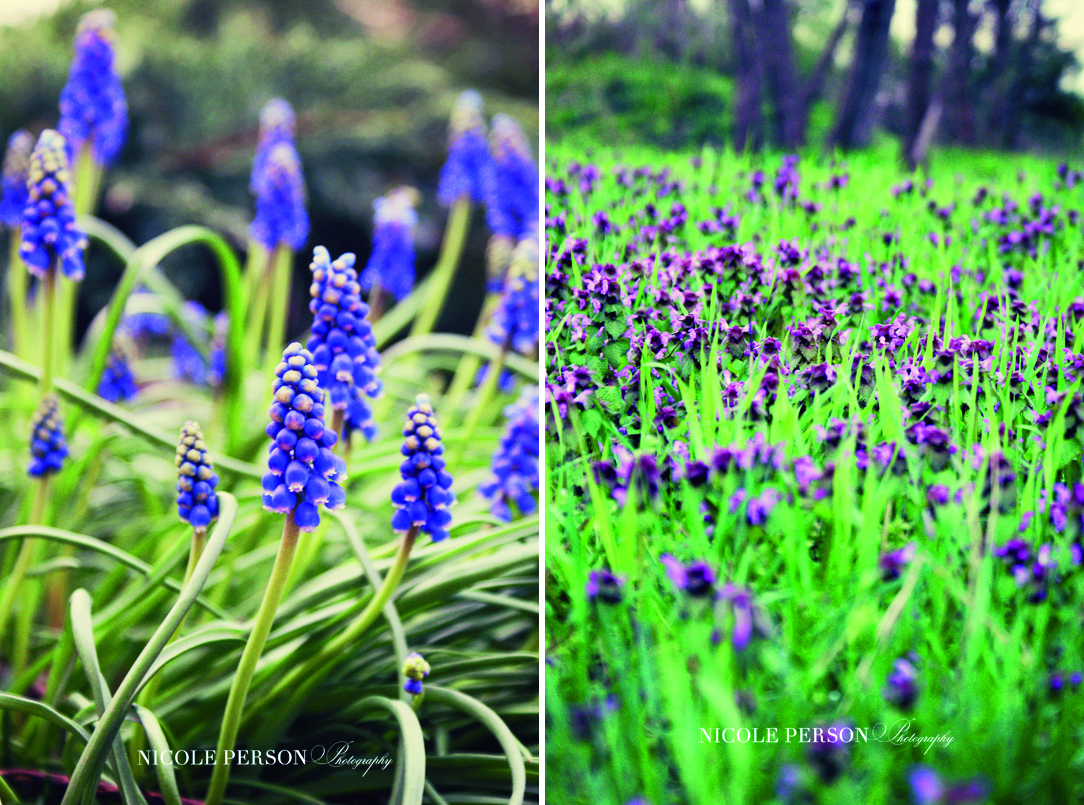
(777, 58)
(961, 104)
(1014, 105)
(854, 120)
(921, 74)
(747, 125)
(814, 85)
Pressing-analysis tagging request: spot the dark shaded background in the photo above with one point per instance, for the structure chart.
(372, 84)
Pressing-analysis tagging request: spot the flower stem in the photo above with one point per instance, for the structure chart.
(26, 552)
(455, 237)
(282, 264)
(376, 302)
(258, 279)
(481, 402)
(261, 627)
(49, 330)
(307, 675)
(469, 363)
(338, 419)
(17, 282)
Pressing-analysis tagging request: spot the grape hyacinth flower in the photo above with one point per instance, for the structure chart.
(49, 233)
(514, 473)
(93, 109)
(303, 473)
(515, 324)
(197, 503)
(469, 170)
(423, 498)
(117, 382)
(277, 124)
(342, 344)
(516, 176)
(280, 200)
(391, 264)
(13, 178)
(48, 449)
(415, 669)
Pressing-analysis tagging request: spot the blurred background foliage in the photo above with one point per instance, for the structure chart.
(372, 84)
(672, 73)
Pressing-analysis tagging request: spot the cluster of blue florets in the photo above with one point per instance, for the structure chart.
(424, 496)
(49, 233)
(47, 446)
(303, 473)
(197, 503)
(514, 473)
(278, 183)
(117, 383)
(342, 344)
(13, 176)
(92, 105)
(415, 669)
(391, 264)
(469, 170)
(515, 322)
(517, 179)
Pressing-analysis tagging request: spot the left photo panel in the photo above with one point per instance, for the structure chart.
(269, 383)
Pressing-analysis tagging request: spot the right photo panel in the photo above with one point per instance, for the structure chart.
(814, 416)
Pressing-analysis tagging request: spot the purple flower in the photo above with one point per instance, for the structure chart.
(423, 498)
(514, 472)
(747, 616)
(280, 200)
(93, 108)
(901, 689)
(49, 233)
(602, 585)
(761, 506)
(48, 449)
(391, 264)
(893, 563)
(696, 579)
(469, 170)
(303, 473)
(197, 503)
(516, 178)
(13, 178)
(929, 789)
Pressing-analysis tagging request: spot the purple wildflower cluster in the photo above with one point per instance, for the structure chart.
(197, 503)
(342, 344)
(49, 234)
(302, 471)
(425, 495)
(514, 472)
(48, 448)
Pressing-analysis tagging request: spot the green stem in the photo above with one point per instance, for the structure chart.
(261, 627)
(48, 313)
(26, 551)
(17, 282)
(259, 285)
(282, 264)
(147, 695)
(481, 403)
(6, 794)
(455, 237)
(308, 674)
(469, 364)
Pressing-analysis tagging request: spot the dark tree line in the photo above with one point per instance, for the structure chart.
(954, 95)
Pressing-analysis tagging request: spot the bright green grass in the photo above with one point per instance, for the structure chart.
(984, 653)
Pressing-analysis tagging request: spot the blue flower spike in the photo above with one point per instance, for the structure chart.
(391, 264)
(93, 109)
(303, 472)
(277, 124)
(415, 669)
(423, 498)
(469, 170)
(13, 177)
(517, 178)
(48, 449)
(342, 344)
(514, 473)
(280, 200)
(117, 383)
(49, 233)
(515, 323)
(197, 503)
